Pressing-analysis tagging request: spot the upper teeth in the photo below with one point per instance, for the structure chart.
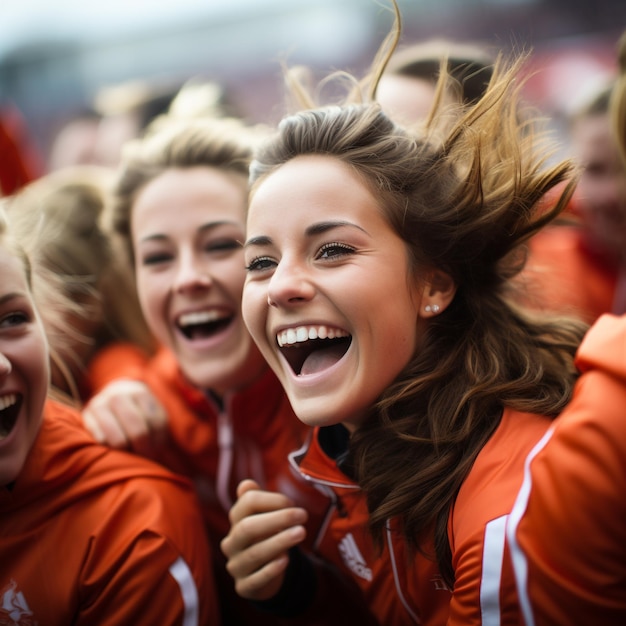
(300, 334)
(199, 317)
(7, 401)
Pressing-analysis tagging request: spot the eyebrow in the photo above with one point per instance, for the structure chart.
(7, 297)
(311, 231)
(204, 228)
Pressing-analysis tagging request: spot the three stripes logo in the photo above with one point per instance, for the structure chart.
(353, 558)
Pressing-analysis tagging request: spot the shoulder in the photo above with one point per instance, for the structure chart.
(490, 488)
(604, 347)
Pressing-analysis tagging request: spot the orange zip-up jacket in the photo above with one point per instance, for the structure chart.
(90, 535)
(400, 592)
(567, 531)
(249, 436)
(109, 363)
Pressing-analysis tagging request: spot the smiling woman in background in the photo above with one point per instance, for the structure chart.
(567, 531)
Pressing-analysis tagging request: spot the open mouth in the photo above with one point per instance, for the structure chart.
(312, 349)
(9, 410)
(203, 324)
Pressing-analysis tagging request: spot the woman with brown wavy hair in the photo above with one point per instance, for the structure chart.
(379, 290)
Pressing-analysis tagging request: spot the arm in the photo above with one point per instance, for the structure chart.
(148, 560)
(126, 414)
(153, 584)
(567, 531)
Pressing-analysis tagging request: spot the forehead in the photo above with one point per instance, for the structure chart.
(312, 180)
(13, 270)
(177, 189)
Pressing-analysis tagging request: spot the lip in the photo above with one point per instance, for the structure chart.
(331, 331)
(205, 314)
(10, 438)
(214, 311)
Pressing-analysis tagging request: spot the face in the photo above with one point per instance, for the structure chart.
(405, 99)
(329, 297)
(24, 369)
(187, 229)
(602, 187)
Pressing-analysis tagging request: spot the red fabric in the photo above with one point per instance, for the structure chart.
(20, 162)
(117, 360)
(90, 535)
(570, 531)
(400, 592)
(250, 437)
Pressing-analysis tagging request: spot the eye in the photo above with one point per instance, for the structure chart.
(335, 250)
(156, 258)
(15, 318)
(260, 264)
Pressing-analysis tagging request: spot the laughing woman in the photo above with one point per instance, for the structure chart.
(88, 535)
(379, 267)
(180, 206)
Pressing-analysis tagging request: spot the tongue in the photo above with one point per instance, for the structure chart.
(322, 359)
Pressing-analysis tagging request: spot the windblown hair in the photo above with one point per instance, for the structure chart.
(464, 198)
(46, 287)
(470, 64)
(11, 244)
(618, 98)
(171, 143)
(59, 220)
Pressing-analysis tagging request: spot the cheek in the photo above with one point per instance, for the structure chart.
(252, 307)
(233, 277)
(151, 297)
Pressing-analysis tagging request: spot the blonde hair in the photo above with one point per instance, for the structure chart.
(60, 221)
(46, 290)
(222, 143)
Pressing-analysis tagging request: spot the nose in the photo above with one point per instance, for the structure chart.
(5, 365)
(290, 284)
(192, 273)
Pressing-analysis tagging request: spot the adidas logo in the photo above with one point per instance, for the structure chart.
(13, 604)
(353, 558)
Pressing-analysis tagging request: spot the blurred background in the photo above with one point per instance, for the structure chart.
(64, 60)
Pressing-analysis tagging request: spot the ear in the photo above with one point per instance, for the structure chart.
(439, 291)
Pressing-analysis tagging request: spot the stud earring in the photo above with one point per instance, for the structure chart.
(434, 308)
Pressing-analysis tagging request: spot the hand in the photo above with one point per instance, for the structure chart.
(125, 414)
(264, 525)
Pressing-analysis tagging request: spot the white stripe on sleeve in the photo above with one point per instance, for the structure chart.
(520, 564)
(493, 553)
(182, 575)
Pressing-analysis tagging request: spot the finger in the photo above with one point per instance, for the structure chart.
(255, 501)
(243, 563)
(91, 424)
(156, 420)
(155, 414)
(130, 416)
(256, 528)
(265, 582)
(111, 432)
(246, 485)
